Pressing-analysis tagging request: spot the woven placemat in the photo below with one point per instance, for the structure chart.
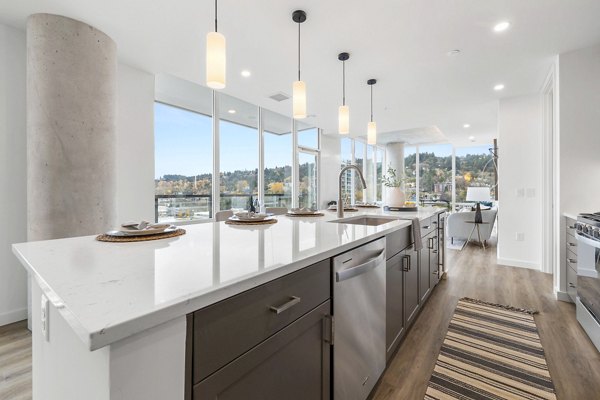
(263, 222)
(305, 215)
(125, 239)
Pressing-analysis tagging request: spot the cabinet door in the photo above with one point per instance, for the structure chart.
(411, 286)
(394, 293)
(424, 274)
(293, 364)
(434, 262)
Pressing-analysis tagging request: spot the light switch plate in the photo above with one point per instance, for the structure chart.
(520, 237)
(44, 316)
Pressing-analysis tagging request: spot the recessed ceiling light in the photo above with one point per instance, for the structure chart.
(498, 87)
(232, 111)
(501, 26)
(453, 53)
(466, 125)
(246, 73)
(472, 138)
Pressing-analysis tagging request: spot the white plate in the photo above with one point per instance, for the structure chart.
(298, 211)
(237, 219)
(244, 216)
(144, 232)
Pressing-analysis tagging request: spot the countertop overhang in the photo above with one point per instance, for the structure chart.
(109, 291)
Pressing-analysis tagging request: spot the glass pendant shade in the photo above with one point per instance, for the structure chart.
(372, 133)
(215, 60)
(299, 99)
(344, 120)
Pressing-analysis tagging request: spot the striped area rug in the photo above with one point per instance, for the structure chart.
(490, 352)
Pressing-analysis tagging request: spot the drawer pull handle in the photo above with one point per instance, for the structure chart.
(572, 261)
(572, 227)
(425, 227)
(289, 304)
(572, 244)
(434, 273)
(571, 285)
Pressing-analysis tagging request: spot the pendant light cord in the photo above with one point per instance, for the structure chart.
(298, 51)
(343, 83)
(371, 103)
(216, 15)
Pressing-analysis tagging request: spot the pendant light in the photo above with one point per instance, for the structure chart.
(216, 58)
(344, 112)
(372, 126)
(299, 87)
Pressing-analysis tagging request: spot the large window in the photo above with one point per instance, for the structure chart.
(379, 156)
(370, 160)
(410, 174)
(359, 157)
(307, 196)
(474, 167)
(259, 154)
(308, 159)
(435, 174)
(278, 149)
(238, 142)
(183, 164)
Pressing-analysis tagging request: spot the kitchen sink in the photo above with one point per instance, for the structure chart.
(365, 220)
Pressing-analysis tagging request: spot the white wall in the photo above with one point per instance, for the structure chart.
(579, 82)
(579, 140)
(13, 177)
(519, 181)
(135, 145)
(330, 169)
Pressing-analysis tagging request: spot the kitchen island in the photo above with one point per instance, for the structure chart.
(117, 315)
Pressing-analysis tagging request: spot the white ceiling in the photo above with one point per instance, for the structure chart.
(402, 43)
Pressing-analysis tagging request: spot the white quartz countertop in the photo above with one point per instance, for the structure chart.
(109, 291)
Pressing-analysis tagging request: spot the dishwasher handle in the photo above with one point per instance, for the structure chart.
(361, 268)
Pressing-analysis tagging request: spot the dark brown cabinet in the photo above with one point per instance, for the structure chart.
(270, 342)
(424, 268)
(394, 302)
(293, 364)
(411, 285)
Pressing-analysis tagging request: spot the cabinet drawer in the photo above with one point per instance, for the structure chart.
(571, 283)
(428, 225)
(570, 227)
(224, 331)
(293, 364)
(572, 260)
(397, 241)
(571, 243)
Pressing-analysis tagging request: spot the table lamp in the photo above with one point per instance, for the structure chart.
(478, 194)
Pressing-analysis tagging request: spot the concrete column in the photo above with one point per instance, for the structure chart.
(71, 128)
(394, 153)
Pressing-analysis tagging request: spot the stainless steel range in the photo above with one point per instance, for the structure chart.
(588, 275)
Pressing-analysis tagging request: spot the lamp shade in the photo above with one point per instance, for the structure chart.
(299, 99)
(215, 60)
(478, 194)
(372, 133)
(344, 120)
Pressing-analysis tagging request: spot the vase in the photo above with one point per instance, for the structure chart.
(394, 197)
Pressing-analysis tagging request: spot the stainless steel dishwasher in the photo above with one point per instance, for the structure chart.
(359, 313)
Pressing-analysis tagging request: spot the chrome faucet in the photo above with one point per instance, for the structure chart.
(340, 204)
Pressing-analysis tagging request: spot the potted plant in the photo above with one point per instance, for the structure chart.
(394, 195)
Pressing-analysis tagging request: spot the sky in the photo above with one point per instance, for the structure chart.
(183, 144)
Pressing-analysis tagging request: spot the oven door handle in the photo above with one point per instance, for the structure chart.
(588, 241)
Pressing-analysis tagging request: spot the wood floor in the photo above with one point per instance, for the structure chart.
(574, 362)
(15, 362)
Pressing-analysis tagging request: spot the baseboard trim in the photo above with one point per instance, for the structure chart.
(518, 263)
(563, 296)
(13, 316)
